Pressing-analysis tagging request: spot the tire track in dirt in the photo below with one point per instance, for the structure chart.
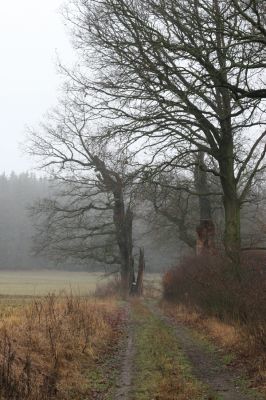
(206, 366)
(127, 362)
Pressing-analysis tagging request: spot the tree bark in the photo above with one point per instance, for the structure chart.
(123, 219)
(232, 238)
(124, 238)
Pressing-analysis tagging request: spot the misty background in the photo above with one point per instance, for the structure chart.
(32, 40)
(18, 192)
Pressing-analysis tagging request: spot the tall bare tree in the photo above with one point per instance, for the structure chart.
(92, 216)
(163, 72)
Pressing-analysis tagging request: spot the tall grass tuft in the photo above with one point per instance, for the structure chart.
(43, 350)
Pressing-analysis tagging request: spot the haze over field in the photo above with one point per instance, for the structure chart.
(133, 258)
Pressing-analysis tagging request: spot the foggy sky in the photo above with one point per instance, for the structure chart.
(31, 35)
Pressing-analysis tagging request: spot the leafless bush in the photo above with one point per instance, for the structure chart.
(207, 284)
(108, 289)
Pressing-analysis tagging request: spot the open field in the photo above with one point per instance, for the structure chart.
(40, 283)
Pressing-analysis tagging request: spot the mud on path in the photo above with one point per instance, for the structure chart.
(207, 365)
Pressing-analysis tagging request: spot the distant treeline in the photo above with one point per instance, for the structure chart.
(18, 193)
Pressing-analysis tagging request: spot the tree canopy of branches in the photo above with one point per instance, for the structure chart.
(171, 78)
(172, 202)
(252, 30)
(91, 215)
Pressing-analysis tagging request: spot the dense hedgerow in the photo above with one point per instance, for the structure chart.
(208, 284)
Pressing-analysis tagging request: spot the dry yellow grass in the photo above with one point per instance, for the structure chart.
(46, 347)
(225, 334)
(237, 349)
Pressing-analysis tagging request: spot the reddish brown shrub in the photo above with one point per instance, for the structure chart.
(209, 284)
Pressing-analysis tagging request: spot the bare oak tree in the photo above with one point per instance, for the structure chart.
(165, 76)
(91, 217)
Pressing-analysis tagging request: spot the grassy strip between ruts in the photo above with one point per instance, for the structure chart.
(161, 370)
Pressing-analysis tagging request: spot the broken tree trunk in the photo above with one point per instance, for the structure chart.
(206, 229)
(205, 237)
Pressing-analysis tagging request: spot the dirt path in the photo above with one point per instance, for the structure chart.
(140, 379)
(127, 361)
(207, 365)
